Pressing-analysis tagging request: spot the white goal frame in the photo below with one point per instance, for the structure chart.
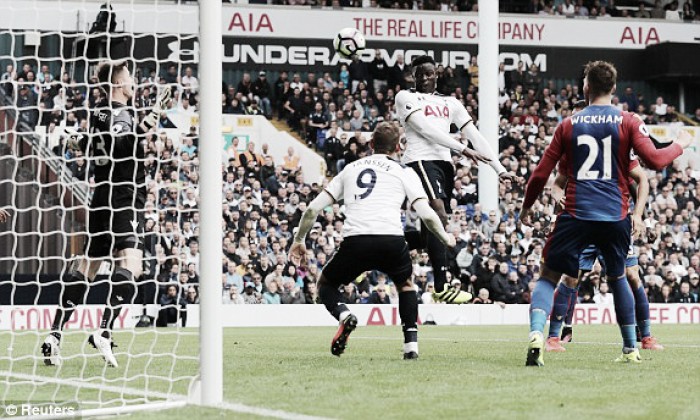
(211, 184)
(207, 388)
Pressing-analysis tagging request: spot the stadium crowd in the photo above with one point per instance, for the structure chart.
(496, 258)
(686, 10)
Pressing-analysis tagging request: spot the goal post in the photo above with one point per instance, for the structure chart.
(211, 332)
(48, 196)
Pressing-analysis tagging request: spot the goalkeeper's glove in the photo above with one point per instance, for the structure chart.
(151, 120)
(74, 139)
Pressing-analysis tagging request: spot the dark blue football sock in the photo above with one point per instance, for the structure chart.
(624, 310)
(568, 321)
(641, 306)
(562, 301)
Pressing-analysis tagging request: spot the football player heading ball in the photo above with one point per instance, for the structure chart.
(427, 117)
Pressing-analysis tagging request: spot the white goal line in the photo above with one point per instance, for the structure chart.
(508, 340)
(170, 400)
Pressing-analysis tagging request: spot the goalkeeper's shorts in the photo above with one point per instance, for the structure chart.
(117, 223)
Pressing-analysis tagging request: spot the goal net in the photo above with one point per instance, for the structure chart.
(49, 52)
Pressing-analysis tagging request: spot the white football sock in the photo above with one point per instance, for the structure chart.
(410, 347)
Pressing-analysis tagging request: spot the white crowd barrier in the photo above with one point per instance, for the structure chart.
(40, 317)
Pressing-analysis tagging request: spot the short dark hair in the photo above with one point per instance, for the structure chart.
(601, 77)
(420, 60)
(385, 138)
(106, 71)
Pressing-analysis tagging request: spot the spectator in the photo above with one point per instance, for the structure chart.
(533, 80)
(291, 293)
(603, 297)
(514, 289)
(359, 73)
(673, 13)
(567, 9)
(271, 296)
(397, 75)
(379, 71)
(251, 295)
(233, 278)
(171, 76)
(311, 294)
(427, 296)
(630, 98)
(661, 107)
(318, 122)
(642, 13)
(249, 157)
(291, 161)
(192, 276)
(189, 82)
(666, 294)
(665, 200)
(379, 296)
(658, 11)
(261, 92)
(235, 297)
(394, 293)
(688, 12)
(695, 286)
(499, 283)
(27, 101)
(473, 72)
(192, 296)
(350, 295)
(683, 295)
(172, 308)
(333, 151)
(504, 82)
(483, 297)
(581, 8)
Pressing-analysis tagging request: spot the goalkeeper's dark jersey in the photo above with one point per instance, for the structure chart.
(114, 146)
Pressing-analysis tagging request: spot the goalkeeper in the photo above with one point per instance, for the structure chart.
(115, 218)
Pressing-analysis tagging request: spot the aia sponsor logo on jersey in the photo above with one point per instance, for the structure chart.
(436, 111)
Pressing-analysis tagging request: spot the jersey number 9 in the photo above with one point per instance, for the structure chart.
(367, 186)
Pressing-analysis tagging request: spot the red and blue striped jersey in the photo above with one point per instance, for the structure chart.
(595, 146)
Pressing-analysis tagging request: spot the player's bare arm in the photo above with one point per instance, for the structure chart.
(425, 128)
(558, 191)
(540, 176)
(683, 139)
(638, 175)
(654, 158)
(297, 252)
(470, 133)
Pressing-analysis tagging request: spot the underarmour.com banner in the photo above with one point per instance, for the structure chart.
(318, 55)
(303, 55)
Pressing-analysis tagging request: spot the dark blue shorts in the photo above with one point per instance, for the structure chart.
(591, 253)
(571, 236)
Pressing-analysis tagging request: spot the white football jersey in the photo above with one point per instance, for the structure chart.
(374, 189)
(441, 110)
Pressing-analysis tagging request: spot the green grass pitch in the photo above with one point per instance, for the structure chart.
(463, 372)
